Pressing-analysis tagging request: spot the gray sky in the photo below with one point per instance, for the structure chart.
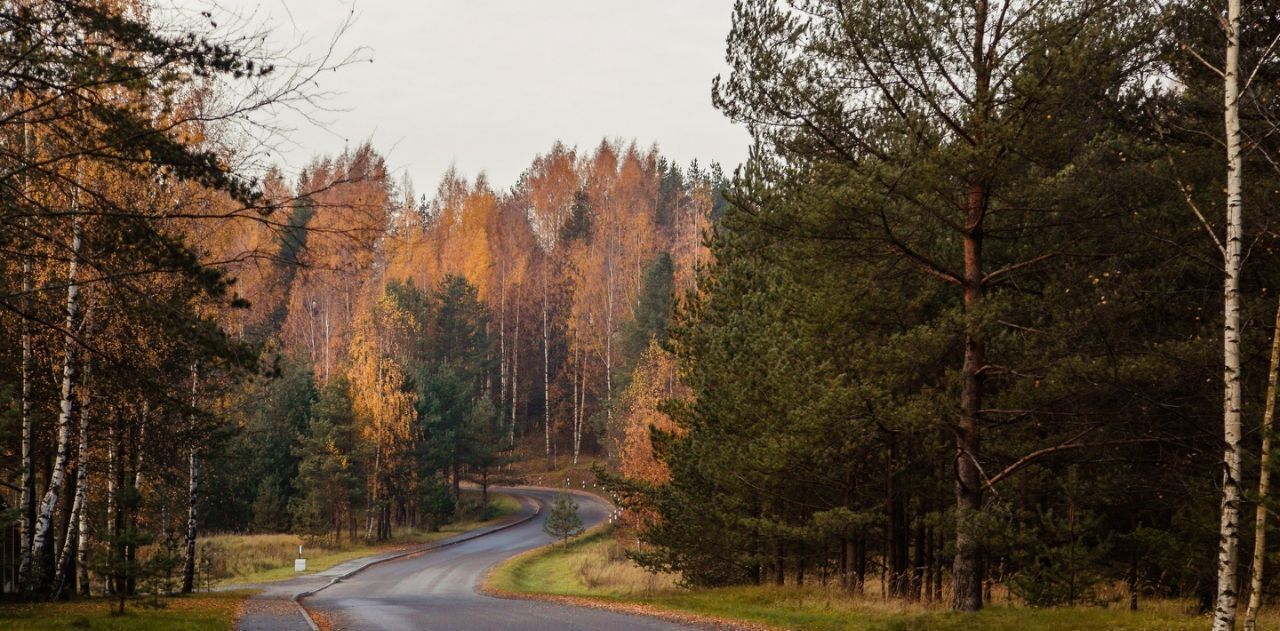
(487, 84)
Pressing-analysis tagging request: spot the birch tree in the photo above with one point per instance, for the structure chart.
(1224, 613)
(1257, 564)
(193, 491)
(549, 184)
(41, 538)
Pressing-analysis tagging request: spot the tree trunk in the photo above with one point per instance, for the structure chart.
(193, 491)
(546, 370)
(1224, 612)
(373, 490)
(930, 565)
(608, 347)
(73, 555)
(860, 562)
(515, 373)
(131, 549)
(918, 565)
(896, 523)
(502, 342)
(967, 568)
(579, 384)
(115, 480)
(27, 501)
(64, 565)
(779, 566)
(1264, 485)
(582, 407)
(82, 546)
(937, 569)
(326, 343)
(44, 518)
(1133, 581)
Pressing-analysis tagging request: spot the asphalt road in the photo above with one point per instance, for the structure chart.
(437, 590)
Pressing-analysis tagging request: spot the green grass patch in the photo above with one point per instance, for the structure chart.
(196, 612)
(242, 559)
(594, 567)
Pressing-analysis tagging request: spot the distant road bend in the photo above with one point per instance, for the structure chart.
(438, 589)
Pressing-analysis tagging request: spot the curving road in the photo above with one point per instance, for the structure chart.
(437, 589)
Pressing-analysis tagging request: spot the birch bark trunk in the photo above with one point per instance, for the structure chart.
(608, 346)
(373, 489)
(502, 342)
(115, 480)
(579, 400)
(1224, 613)
(74, 546)
(27, 501)
(193, 492)
(44, 518)
(515, 374)
(546, 370)
(1264, 485)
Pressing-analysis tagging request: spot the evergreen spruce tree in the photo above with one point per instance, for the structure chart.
(563, 521)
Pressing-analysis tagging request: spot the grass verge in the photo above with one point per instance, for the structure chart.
(244, 559)
(592, 571)
(196, 612)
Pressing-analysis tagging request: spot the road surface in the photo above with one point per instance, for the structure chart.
(437, 590)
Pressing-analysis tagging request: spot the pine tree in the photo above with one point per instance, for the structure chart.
(563, 521)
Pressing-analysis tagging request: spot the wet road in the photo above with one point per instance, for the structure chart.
(437, 590)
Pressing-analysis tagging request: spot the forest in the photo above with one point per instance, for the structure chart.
(987, 311)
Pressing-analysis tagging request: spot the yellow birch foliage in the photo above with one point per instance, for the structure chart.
(654, 381)
(383, 410)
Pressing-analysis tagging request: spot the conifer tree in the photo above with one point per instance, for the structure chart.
(563, 521)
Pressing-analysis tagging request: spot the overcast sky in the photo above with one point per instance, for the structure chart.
(487, 84)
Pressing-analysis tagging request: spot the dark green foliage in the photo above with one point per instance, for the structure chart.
(436, 501)
(252, 476)
(449, 364)
(578, 226)
(826, 347)
(562, 520)
(328, 482)
(652, 313)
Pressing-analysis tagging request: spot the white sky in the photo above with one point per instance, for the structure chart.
(488, 84)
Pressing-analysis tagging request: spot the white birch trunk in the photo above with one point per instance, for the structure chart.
(193, 492)
(27, 500)
(114, 472)
(1264, 485)
(577, 409)
(608, 346)
(582, 404)
(326, 343)
(141, 447)
(73, 547)
(44, 518)
(373, 489)
(66, 556)
(82, 545)
(515, 374)
(1224, 614)
(311, 332)
(502, 342)
(546, 369)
